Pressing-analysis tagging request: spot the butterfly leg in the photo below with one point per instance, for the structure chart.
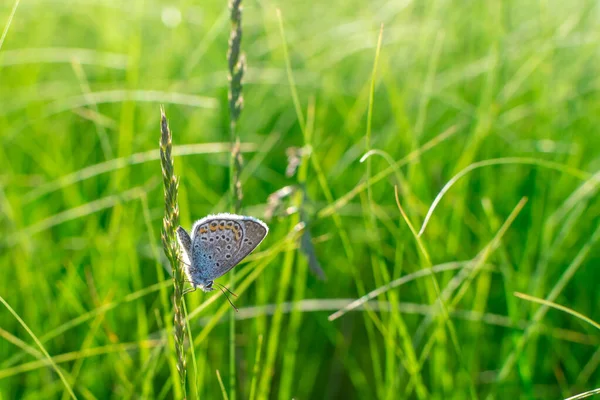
(189, 290)
(183, 262)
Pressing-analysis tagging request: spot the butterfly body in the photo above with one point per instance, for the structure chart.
(217, 244)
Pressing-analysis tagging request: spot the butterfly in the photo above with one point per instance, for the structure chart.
(217, 244)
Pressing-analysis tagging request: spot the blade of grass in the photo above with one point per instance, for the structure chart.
(255, 370)
(290, 351)
(275, 329)
(333, 206)
(191, 339)
(41, 346)
(584, 394)
(377, 265)
(445, 317)
(82, 211)
(9, 22)
(510, 360)
(500, 161)
(100, 130)
(558, 307)
(485, 254)
(290, 75)
(134, 159)
(91, 314)
(478, 262)
(87, 342)
(76, 355)
(223, 391)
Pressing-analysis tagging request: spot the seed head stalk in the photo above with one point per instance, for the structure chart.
(237, 64)
(170, 245)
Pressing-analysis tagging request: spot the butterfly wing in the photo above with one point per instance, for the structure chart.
(185, 242)
(221, 241)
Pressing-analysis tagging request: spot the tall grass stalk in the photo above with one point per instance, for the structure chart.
(256, 368)
(379, 271)
(171, 247)
(299, 282)
(237, 64)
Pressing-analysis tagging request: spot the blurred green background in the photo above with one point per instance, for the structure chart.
(455, 84)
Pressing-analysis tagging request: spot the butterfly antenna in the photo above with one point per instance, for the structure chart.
(228, 299)
(225, 287)
(181, 260)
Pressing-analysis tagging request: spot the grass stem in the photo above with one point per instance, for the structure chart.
(170, 245)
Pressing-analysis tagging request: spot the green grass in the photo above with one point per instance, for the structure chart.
(483, 116)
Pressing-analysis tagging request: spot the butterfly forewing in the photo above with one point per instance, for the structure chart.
(254, 233)
(221, 241)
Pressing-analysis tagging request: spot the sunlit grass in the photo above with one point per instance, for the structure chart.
(449, 161)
